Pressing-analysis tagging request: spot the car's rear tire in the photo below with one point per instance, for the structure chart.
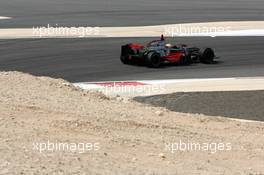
(153, 60)
(207, 56)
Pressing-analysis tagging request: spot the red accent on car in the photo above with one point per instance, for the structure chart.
(135, 46)
(174, 57)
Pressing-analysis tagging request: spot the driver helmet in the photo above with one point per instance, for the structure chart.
(168, 45)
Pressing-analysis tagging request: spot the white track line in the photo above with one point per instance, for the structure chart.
(245, 121)
(258, 32)
(154, 87)
(231, 28)
(94, 85)
(172, 81)
(5, 17)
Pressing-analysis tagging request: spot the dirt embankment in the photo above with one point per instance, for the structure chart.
(127, 137)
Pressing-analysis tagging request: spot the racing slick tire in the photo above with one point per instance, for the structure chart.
(153, 60)
(207, 56)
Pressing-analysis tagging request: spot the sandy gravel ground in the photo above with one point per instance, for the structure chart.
(133, 138)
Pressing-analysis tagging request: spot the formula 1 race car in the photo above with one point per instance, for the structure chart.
(158, 52)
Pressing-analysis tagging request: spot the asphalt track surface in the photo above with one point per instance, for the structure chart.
(29, 13)
(242, 104)
(80, 60)
(86, 60)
